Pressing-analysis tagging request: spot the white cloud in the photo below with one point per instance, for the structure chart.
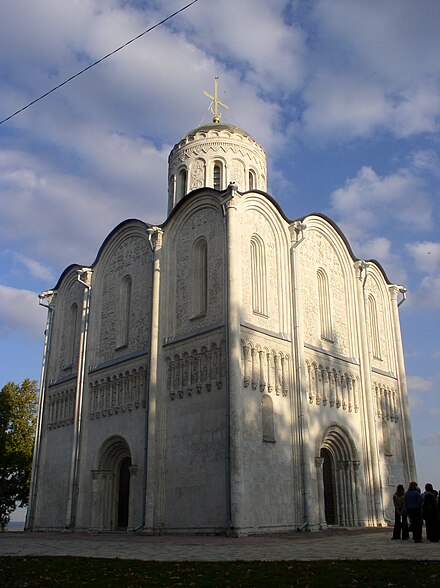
(420, 384)
(35, 268)
(428, 294)
(368, 203)
(253, 34)
(373, 69)
(19, 311)
(426, 255)
(52, 215)
(426, 160)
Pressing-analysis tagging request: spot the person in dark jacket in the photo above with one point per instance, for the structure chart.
(430, 513)
(400, 517)
(413, 505)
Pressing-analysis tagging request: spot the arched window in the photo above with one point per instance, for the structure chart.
(267, 419)
(374, 327)
(252, 180)
(324, 306)
(181, 183)
(71, 335)
(258, 276)
(123, 324)
(200, 277)
(217, 176)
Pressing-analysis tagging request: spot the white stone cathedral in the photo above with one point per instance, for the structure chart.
(229, 371)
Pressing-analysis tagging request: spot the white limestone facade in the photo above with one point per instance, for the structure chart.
(229, 371)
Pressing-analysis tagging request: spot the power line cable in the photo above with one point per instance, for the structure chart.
(99, 61)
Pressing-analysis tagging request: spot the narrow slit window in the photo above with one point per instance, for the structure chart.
(72, 336)
(200, 277)
(374, 327)
(182, 180)
(258, 276)
(217, 176)
(324, 306)
(252, 180)
(123, 331)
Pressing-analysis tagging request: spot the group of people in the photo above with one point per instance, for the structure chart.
(412, 508)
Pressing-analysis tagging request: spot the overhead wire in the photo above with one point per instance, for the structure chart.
(98, 61)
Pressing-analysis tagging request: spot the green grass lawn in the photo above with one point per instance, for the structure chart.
(78, 571)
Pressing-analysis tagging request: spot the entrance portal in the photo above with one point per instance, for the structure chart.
(329, 488)
(111, 487)
(124, 493)
(341, 492)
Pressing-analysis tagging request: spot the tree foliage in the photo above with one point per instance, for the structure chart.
(18, 416)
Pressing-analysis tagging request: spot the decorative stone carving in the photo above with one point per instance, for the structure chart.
(60, 407)
(197, 174)
(265, 369)
(117, 393)
(330, 387)
(385, 397)
(237, 174)
(130, 258)
(200, 371)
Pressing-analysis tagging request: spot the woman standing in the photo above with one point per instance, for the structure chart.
(400, 517)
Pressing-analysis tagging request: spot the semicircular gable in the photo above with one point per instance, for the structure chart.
(265, 265)
(335, 239)
(330, 222)
(124, 231)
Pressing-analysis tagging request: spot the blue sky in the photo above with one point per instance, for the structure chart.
(344, 95)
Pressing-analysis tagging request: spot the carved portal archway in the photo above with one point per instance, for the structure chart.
(111, 486)
(338, 484)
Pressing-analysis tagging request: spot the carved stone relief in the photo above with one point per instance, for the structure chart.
(264, 369)
(131, 258)
(318, 252)
(60, 407)
(236, 174)
(205, 223)
(384, 361)
(68, 361)
(386, 402)
(330, 387)
(197, 174)
(199, 371)
(117, 393)
(255, 224)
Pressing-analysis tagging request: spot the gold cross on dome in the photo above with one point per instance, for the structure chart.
(215, 102)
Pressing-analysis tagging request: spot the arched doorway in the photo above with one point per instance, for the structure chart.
(111, 487)
(329, 487)
(340, 495)
(123, 493)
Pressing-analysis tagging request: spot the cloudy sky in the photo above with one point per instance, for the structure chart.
(344, 95)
